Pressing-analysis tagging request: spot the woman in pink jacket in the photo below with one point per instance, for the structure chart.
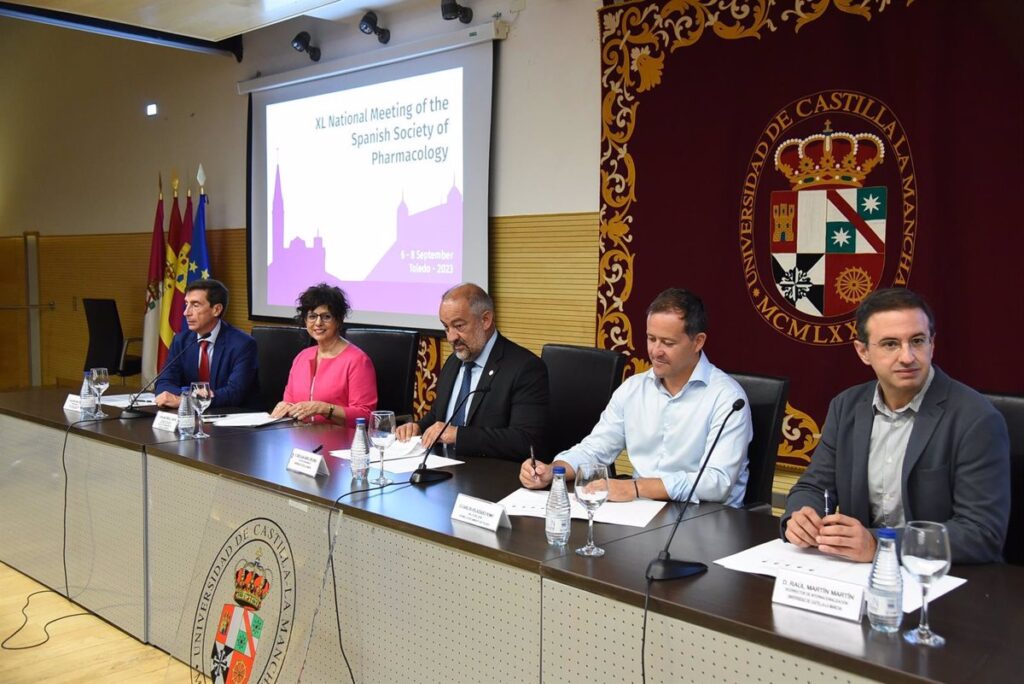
(334, 381)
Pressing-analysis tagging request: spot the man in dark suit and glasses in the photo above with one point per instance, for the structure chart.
(914, 444)
(507, 419)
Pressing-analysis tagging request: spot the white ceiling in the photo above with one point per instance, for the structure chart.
(212, 20)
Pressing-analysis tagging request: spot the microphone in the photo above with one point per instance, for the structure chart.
(424, 475)
(664, 567)
(130, 410)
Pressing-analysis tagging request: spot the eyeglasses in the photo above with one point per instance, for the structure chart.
(917, 344)
(312, 316)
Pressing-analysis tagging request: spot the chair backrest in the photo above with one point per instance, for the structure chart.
(581, 380)
(393, 352)
(106, 338)
(276, 348)
(767, 398)
(1012, 408)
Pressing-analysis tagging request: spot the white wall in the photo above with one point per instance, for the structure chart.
(77, 155)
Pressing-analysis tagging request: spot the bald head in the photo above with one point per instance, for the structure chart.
(471, 293)
(467, 314)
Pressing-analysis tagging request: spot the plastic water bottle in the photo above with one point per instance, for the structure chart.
(360, 451)
(557, 517)
(885, 585)
(186, 415)
(87, 407)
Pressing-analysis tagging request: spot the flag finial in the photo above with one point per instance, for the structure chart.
(160, 185)
(201, 178)
(175, 182)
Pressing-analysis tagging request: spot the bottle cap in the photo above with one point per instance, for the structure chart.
(886, 533)
(184, 389)
(558, 470)
(360, 421)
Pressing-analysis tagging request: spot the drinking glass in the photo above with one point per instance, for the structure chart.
(382, 434)
(100, 381)
(591, 491)
(926, 557)
(202, 394)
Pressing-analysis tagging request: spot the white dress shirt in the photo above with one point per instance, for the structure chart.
(668, 436)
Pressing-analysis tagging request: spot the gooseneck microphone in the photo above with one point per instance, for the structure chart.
(130, 411)
(424, 475)
(664, 567)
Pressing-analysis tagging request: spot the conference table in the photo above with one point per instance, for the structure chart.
(179, 542)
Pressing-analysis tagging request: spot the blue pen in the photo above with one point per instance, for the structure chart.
(826, 502)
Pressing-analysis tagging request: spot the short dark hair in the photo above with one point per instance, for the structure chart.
(322, 294)
(684, 303)
(216, 293)
(891, 299)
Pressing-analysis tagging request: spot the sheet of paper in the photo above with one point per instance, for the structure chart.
(248, 420)
(777, 556)
(122, 400)
(636, 513)
(401, 457)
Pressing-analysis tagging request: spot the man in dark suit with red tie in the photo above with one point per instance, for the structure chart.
(494, 391)
(210, 350)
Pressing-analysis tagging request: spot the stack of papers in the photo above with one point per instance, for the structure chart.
(636, 513)
(776, 556)
(248, 420)
(401, 457)
(122, 400)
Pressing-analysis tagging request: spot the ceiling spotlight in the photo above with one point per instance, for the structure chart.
(368, 25)
(301, 43)
(450, 9)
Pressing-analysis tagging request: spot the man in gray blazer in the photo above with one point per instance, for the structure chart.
(915, 445)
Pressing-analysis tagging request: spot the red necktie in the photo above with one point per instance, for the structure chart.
(204, 361)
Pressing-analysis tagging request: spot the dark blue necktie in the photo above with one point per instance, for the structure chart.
(459, 418)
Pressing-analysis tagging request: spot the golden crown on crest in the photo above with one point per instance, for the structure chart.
(829, 159)
(252, 583)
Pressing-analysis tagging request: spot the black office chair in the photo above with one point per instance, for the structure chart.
(1012, 408)
(108, 347)
(767, 398)
(276, 348)
(393, 353)
(581, 380)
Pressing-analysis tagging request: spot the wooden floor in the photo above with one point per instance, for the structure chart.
(80, 649)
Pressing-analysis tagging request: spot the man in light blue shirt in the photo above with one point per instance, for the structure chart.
(668, 417)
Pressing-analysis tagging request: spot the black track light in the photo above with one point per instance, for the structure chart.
(450, 9)
(301, 43)
(368, 25)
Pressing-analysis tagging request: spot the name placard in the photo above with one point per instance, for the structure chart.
(307, 463)
(166, 421)
(469, 509)
(73, 403)
(826, 596)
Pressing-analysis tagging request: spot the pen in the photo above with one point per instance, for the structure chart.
(826, 502)
(533, 461)
(318, 449)
(208, 418)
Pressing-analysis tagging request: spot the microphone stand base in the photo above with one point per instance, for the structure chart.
(425, 476)
(661, 569)
(132, 413)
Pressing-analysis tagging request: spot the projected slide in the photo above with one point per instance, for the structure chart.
(366, 192)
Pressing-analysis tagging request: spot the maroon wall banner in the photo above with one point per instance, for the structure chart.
(784, 159)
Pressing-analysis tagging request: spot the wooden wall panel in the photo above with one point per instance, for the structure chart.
(544, 278)
(115, 266)
(14, 370)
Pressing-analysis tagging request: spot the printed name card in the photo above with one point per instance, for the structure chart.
(166, 421)
(829, 597)
(73, 403)
(469, 509)
(307, 463)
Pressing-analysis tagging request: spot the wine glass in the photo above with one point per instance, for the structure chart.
(100, 381)
(591, 491)
(382, 434)
(926, 557)
(202, 394)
